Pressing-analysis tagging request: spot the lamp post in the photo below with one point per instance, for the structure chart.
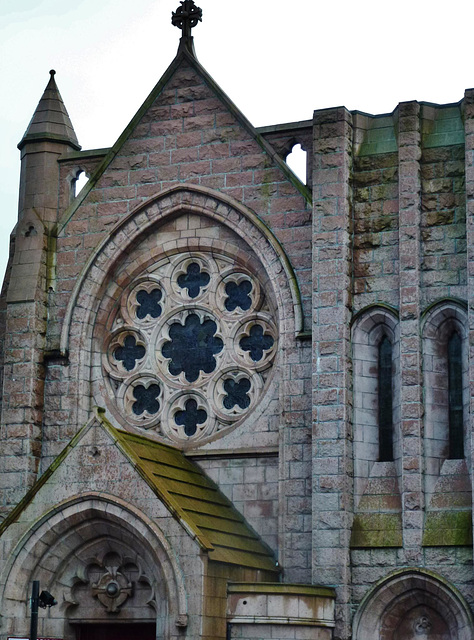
(43, 600)
(34, 610)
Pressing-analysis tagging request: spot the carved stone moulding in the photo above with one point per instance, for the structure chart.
(112, 590)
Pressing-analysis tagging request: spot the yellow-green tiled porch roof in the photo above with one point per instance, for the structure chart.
(189, 495)
(196, 501)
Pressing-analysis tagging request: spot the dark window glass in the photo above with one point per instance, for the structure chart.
(193, 280)
(148, 304)
(256, 342)
(456, 427)
(129, 353)
(385, 401)
(146, 399)
(238, 295)
(190, 417)
(192, 347)
(236, 393)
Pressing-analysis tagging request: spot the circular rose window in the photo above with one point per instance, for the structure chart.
(189, 347)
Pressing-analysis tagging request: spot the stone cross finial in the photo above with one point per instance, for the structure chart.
(186, 17)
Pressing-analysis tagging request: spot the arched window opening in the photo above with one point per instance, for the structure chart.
(296, 160)
(376, 377)
(455, 397)
(385, 400)
(79, 182)
(446, 391)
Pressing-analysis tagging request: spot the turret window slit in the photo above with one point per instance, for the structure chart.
(455, 399)
(385, 401)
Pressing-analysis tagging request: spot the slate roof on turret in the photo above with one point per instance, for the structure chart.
(184, 57)
(50, 120)
(192, 498)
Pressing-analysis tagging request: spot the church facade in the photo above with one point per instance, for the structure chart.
(237, 405)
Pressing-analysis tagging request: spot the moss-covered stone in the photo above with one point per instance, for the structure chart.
(448, 529)
(377, 530)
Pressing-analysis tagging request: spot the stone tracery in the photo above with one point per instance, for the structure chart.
(190, 347)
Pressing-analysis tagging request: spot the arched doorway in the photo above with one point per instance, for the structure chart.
(109, 567)
(413, 604)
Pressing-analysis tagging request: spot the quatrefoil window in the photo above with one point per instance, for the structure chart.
(188, 348)
(146, 399)
(257, 342)
(148, 304)
(237, 393)
(190, 417)
(238, 295)
(192, 347)
(129, 353)
(193, 280)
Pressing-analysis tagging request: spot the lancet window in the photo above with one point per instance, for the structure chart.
(385, 400)
(376, 392)
(446, 394)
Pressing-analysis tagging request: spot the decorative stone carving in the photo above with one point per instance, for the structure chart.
(192, 341)
(182, 620)
(422, 626)
(112, 590)
(115, 581)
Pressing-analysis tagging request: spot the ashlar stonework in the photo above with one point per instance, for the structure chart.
(233, 404)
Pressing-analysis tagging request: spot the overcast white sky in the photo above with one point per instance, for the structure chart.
(278, 61)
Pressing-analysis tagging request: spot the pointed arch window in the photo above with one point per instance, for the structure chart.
(385, 400)
(376, 417)
(446, 388)
(455, 397)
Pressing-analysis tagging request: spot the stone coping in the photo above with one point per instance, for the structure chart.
(244, 452)
(275, 604)
(85, 153)
(280, 588)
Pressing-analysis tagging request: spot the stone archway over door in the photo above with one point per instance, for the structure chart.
(81, 549)
(138, 631)
(411, 604)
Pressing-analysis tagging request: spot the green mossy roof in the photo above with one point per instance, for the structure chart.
(190, 496)
(197, 501)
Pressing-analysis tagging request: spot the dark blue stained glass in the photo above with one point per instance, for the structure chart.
(238, 295)
(237, 393)
(385, 397)
(192, 347)
(455, 399)
(190, 417)
(148, 303)
(129, 353)
(256, 343)
(193, 279)
(146, 399)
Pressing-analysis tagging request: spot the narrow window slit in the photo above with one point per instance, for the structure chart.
(296, 160)
(79, 182)
(385, 400)
(455, 401)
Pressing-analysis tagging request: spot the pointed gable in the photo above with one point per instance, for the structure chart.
(50, 120)
(188, 130)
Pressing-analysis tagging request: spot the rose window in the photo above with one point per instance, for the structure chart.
(189, 347)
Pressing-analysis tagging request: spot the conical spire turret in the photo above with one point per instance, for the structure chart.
(51, 120)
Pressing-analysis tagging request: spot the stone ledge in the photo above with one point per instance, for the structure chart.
(280, 604)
